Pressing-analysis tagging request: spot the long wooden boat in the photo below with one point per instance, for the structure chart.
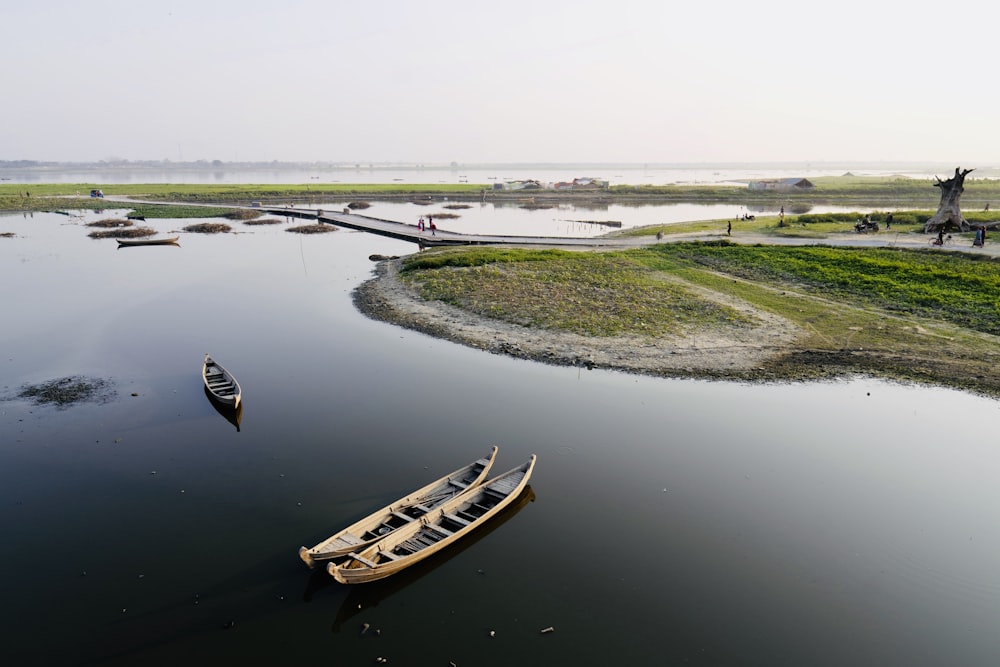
(220, 383)
(362, 599)
(443, 526)
(408, 509)
(134, 242)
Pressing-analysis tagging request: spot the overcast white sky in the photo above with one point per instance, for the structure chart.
(514, 81)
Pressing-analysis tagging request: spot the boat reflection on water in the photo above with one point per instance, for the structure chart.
(369, 595)
(232, 415)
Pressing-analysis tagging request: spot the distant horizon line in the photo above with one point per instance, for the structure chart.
(410, 165)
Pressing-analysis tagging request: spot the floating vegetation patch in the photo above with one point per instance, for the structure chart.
(110, 222)
(263, 221)
(208, 228)
(7, 235)
(358, 205)
(132, 233)
(68, 391)
(243, 214)
(446, 216)
(457, 206)
(311, 229)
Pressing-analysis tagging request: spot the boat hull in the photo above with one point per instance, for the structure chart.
(377, 525)
(441, 528)
(128, 243)
(220, 383)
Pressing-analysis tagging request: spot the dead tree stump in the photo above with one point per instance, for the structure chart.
(949, 213)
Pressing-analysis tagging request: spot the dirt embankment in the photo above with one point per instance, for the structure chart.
(737, 352)
(768, 348)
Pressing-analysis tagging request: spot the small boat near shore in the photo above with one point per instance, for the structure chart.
(220, 383)
(128, 243)
(445, 525)
(408, 509)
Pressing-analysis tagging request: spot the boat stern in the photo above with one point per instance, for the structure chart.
(335, 573)
(307, 557)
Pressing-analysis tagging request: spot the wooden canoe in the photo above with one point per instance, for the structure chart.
(443, 526)
(404, 511)
(134, 242)
(220, 383)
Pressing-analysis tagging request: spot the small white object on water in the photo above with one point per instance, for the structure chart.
(548, 630)
(364, 628)
(493, 633)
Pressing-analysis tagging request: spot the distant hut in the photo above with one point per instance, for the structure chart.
(782, 184)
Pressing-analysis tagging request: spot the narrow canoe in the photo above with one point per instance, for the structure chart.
(403, 512)
(445, 525)
(134, 242)
(220, 383)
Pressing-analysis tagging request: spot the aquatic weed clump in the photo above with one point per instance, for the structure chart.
(311, 229)
(208, 228)
(67, 391)
(122, 233)
(243, 214)
(110, 222)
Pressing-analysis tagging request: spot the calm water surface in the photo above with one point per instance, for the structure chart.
(670, 522)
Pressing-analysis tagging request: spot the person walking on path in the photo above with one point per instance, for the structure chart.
(433, 229)
(729, 229)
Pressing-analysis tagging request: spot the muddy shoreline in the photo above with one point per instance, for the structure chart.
(729, 354)
(766, 351)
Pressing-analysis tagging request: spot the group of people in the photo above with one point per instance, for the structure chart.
(980, 237)
(430, 225)
(977, 242)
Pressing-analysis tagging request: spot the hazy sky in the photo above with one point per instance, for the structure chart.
(513, 81)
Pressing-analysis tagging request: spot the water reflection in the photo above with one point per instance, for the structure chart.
(232, 415)
(754, 524)
(362, 597)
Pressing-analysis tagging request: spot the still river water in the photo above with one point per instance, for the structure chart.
(671, 521)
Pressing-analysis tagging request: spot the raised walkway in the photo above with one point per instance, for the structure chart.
(426, 239)
(441, 237)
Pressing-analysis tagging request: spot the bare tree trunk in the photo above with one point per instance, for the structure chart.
(949, 214)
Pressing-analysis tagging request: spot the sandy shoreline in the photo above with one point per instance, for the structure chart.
(735, 352)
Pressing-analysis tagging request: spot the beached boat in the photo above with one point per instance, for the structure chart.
(406, 510)
(220, 383)
(443, 526)
(134, 242)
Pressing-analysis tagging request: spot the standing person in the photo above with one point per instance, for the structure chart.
(420, 224)
(433, 227)
(888, 220)
(729, 229)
